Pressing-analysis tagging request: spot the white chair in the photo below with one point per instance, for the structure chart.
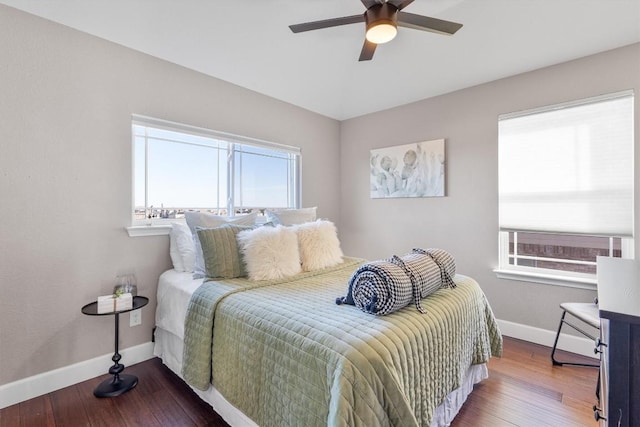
(585, 312)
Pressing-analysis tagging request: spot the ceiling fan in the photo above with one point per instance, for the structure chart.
(382, 19)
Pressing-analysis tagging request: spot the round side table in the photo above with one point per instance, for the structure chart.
(120, 383)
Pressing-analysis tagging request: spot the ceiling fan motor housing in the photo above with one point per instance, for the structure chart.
(384, 14)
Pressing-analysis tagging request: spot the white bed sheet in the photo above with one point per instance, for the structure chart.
(174, 292)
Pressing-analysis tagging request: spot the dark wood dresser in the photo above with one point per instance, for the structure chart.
(619, 347)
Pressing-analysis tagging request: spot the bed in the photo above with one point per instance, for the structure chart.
(283, 353)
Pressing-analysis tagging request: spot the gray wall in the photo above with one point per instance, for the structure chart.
(66, 100)
(466, 221)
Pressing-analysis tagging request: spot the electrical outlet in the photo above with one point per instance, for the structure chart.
(135, 318)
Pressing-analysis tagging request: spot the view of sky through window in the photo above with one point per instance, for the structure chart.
(184, 171)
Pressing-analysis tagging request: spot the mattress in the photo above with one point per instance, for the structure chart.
(174, 293)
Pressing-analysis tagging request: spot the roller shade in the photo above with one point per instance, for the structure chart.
(568, 168)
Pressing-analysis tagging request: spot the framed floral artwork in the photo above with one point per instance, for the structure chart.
(410, 170)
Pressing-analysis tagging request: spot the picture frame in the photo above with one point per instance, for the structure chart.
(409, 170)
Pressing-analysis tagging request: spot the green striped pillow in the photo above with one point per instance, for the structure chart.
(220, 251)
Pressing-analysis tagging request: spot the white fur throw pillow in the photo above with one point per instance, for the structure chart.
(318, 244)
(270, 252)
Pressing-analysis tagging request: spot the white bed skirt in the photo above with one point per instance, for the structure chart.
(168, 347)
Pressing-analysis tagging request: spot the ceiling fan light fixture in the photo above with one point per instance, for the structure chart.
(382, 23)
(381, 32)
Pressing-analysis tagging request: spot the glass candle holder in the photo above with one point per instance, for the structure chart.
(126, 284)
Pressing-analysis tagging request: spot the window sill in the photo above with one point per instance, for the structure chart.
(548, 279)
(148, 230)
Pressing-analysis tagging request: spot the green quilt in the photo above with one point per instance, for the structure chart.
(286, 355)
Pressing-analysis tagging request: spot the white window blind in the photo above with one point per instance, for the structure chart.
(568, 168)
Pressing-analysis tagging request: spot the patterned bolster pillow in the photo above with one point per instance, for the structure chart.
(445, 261)
(424, 273)
(379, 287)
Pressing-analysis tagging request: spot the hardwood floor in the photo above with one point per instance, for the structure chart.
(523, 389)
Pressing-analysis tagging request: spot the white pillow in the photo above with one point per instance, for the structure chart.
(205, 220)
(174, 253)
(291, 216)
(187, 248)
(181, 247)
(270, 252)
(318, 245)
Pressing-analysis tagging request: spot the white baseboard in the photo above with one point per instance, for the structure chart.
(571, 343)
(44, 383)
(47, 382)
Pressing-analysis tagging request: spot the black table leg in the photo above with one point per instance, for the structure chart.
(120, 383)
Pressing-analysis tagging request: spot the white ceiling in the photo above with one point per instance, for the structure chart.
(248, 43)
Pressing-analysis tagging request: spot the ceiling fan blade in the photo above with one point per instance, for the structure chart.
(400, 4)
(368, 49)
(326, 23)
(426, 23)
(369, 3)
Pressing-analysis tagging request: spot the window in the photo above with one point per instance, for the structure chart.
(179, 168)
(566, 187)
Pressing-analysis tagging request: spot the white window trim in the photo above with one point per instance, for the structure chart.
(149, 230)
(549, 277)
(164, 229)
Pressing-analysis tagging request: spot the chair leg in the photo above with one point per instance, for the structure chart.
(555, 344)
